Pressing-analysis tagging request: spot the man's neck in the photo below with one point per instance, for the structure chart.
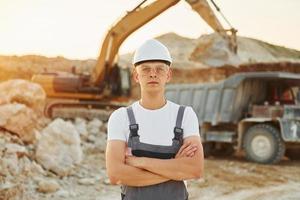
(152, 101)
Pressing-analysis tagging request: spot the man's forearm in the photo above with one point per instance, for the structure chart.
(175, 169)
(133, 176)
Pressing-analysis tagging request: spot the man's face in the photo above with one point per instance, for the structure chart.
(152, 76)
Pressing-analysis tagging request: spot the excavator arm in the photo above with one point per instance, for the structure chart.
(137, 18)
(204, 10)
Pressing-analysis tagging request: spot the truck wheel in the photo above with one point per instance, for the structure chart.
(263, 144)
(293, 154)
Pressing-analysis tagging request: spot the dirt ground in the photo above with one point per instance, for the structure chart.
(235, 178)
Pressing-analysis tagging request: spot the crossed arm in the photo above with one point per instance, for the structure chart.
(142, 171)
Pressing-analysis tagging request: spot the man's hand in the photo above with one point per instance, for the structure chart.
(186, 150)
(134, 161)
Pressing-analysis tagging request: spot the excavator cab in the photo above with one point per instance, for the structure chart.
(120, 81)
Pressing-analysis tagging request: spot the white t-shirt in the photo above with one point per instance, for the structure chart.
(155, 126)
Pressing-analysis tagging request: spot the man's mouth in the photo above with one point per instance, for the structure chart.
(152, 82)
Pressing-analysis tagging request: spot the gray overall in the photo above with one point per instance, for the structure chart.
(170, 190)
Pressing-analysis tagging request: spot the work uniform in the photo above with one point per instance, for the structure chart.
(155, 133)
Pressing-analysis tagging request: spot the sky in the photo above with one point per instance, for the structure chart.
(76, 28)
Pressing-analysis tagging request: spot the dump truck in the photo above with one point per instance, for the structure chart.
(108, 86)
(257, 113)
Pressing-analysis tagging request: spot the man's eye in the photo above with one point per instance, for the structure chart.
(161, 69)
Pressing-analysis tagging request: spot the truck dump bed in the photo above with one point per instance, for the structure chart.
(228, 100)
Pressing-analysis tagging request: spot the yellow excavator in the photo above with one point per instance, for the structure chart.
(108, 87)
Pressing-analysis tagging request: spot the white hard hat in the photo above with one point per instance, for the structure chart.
(152, 50)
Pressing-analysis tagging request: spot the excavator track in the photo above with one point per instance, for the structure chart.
(71, 109)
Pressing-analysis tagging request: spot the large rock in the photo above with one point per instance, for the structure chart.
(20, 120)
(58, 148)
(21, 108)
(24, 92)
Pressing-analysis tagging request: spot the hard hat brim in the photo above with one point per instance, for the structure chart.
(154, 60)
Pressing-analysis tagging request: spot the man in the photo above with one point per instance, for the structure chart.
(154, 144)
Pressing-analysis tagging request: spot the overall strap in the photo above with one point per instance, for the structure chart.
(178, 131)
(133, 126)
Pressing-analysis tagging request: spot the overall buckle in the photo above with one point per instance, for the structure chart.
(134, 129)
(178, 132)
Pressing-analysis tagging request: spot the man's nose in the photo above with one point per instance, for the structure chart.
(153, 72)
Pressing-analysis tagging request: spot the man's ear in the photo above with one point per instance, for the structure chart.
(135, 75)
(169, 74)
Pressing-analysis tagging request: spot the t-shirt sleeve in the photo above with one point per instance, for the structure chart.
(116, 129)
(190, 123)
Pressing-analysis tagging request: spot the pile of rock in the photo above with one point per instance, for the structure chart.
(17, 164)
(36, 153)
(54, 162)
(212, 50)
